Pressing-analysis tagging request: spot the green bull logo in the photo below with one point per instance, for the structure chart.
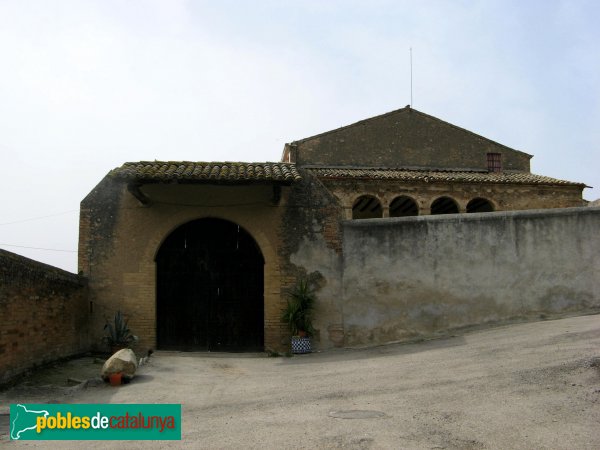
(95, 422)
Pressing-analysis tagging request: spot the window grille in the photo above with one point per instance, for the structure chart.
(494, 162)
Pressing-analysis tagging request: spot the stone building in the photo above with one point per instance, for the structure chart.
(200, 255)
(409, 163)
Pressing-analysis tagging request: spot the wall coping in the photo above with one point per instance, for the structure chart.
(24, 267)
(474, 217)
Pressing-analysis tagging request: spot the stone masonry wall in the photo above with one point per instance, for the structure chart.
(504, 197)
(403, 138)
(43, 314)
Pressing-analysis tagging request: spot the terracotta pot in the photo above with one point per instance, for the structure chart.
(116, 378)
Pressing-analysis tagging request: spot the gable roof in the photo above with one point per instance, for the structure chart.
(206, 172)
(403, 138)
(406, 109)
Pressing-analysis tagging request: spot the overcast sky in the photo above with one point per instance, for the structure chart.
(88, 85)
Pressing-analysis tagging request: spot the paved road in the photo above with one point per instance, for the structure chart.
(526, 386)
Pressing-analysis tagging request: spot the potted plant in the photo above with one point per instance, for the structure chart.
(118, 335)
(298, 316)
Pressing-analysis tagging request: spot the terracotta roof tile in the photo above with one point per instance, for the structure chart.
(203, 172)
(450, 176)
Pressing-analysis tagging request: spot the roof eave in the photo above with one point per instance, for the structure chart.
(142, 181)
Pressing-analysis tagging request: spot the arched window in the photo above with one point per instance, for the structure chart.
(444, 205)
(366, 207)
(403, 206)
(479, 205)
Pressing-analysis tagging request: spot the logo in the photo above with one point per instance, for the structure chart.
(95, 422)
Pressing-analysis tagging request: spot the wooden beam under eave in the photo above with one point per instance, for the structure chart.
(276, 199)
(135, 190)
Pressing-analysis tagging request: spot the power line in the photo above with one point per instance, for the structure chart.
(40, 217)
(38, 248)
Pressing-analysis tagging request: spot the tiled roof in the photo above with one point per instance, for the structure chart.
(406, 109)
(206, 172)
(429, 176)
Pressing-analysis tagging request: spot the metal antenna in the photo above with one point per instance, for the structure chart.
(411, 77)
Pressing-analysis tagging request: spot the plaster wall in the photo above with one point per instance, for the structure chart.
(323, 267)
(311, 248)
(410, 277)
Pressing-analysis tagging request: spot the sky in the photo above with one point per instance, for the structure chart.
(87, 85)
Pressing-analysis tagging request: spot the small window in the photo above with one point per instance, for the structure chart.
(494, 162)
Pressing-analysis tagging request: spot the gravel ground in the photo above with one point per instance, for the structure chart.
(522, 386)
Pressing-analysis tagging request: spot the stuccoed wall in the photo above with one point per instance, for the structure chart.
(410, 277)
(311, 248)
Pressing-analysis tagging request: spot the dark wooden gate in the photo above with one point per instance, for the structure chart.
(210, 289)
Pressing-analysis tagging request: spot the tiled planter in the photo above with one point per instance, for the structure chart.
(300, 345)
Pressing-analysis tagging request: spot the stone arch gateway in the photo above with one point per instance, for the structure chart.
(210, 288)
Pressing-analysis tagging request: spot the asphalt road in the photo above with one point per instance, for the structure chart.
(521, 386)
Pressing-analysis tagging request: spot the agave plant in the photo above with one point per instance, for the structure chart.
(118, 333)
(299, 309)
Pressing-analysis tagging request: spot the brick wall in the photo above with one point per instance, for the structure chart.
(119, 239)
(43, 314)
